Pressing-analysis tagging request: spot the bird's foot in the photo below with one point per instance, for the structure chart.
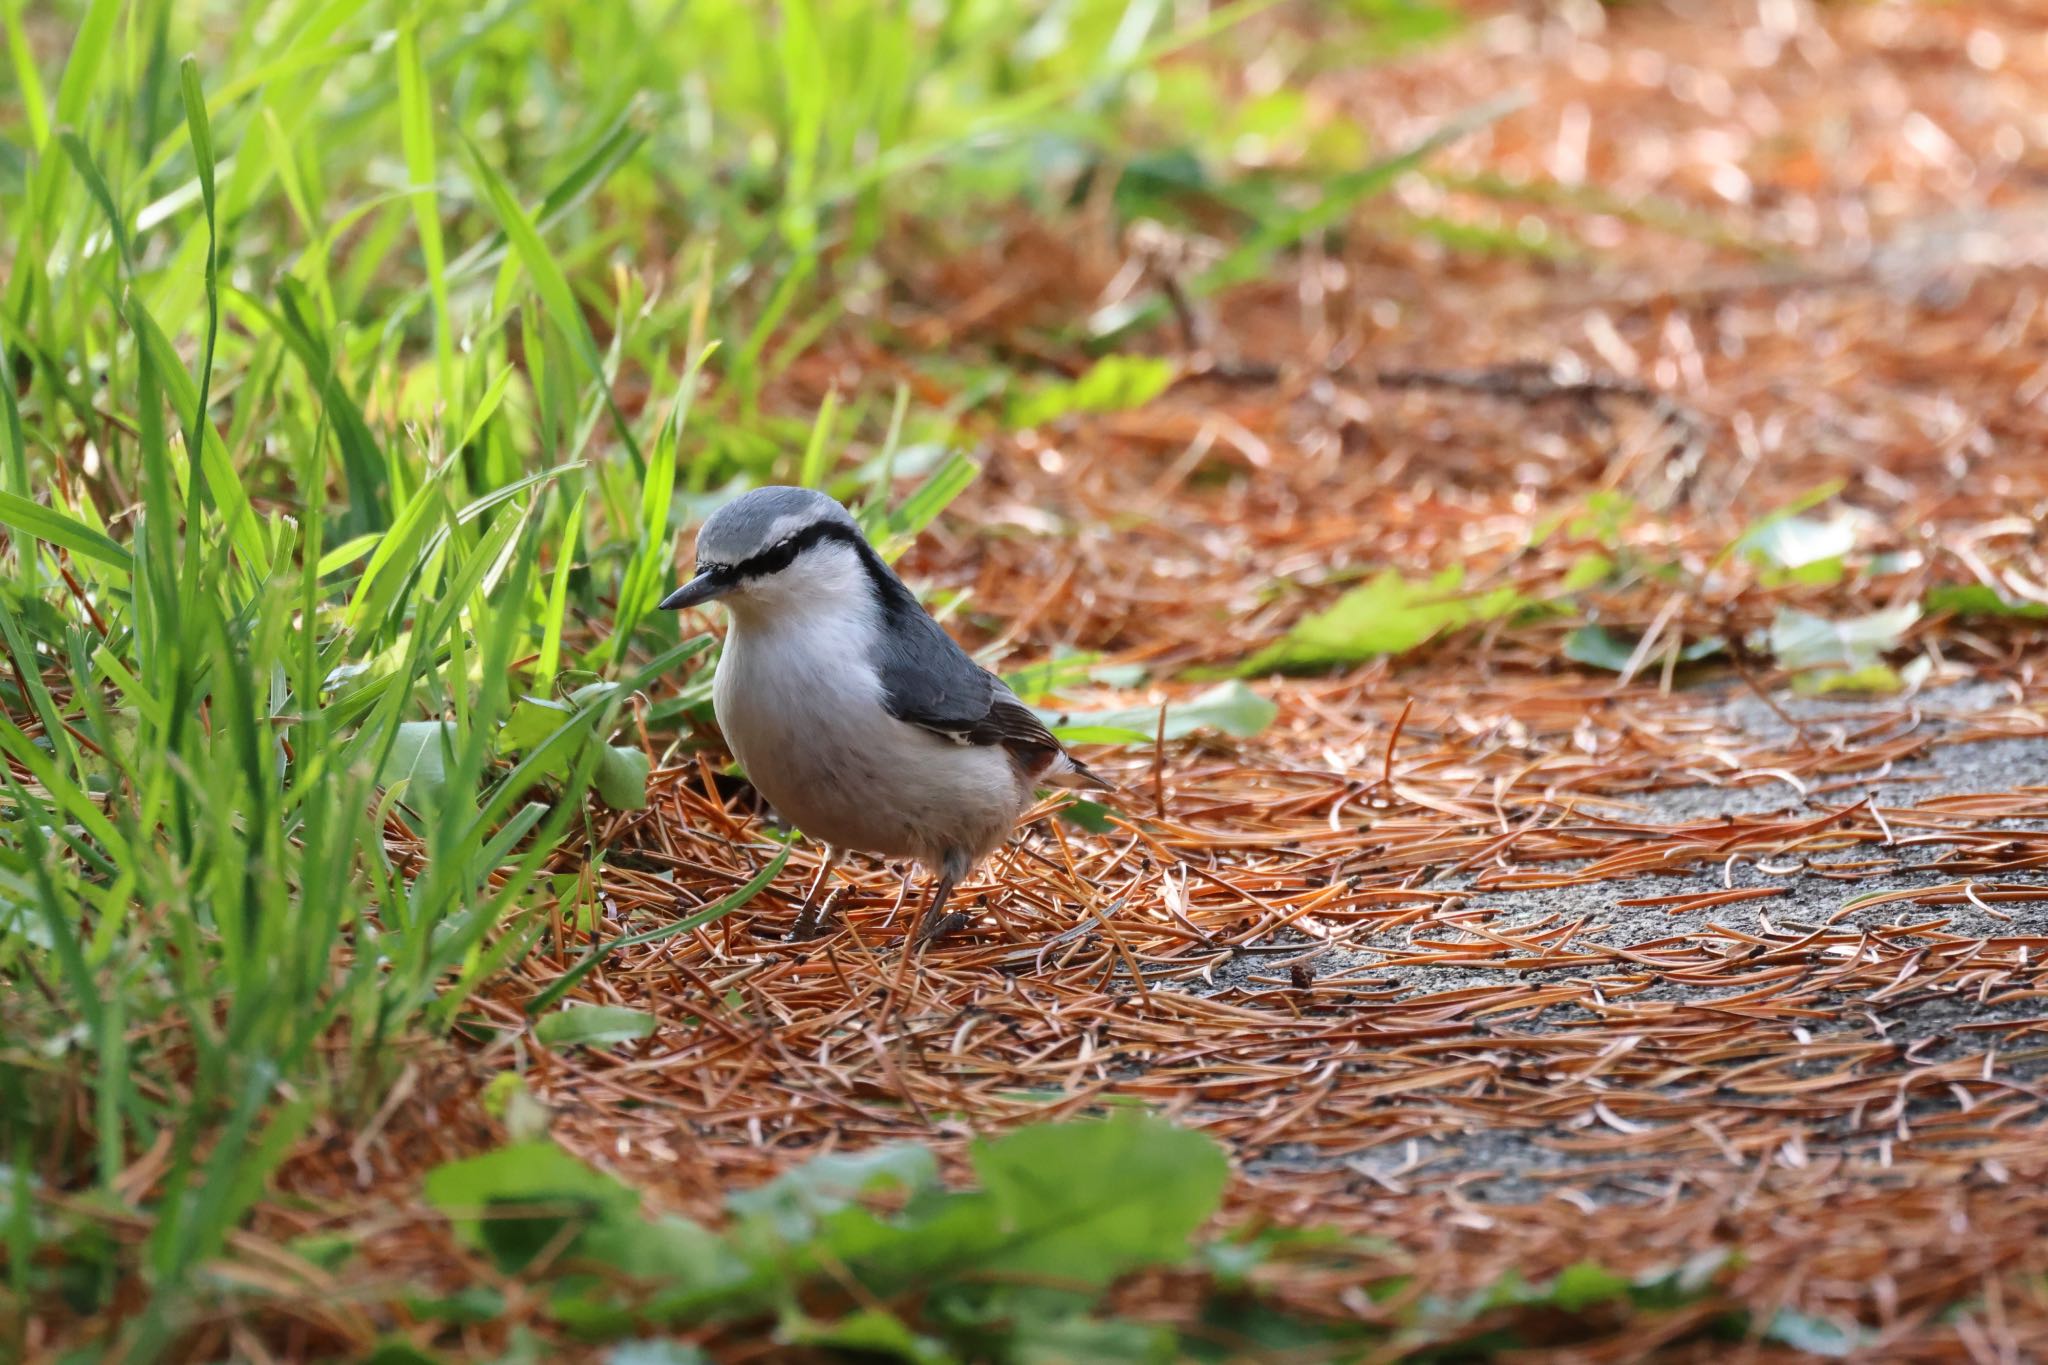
(816, 916)
(943, 926)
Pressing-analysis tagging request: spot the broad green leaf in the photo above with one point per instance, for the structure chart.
(1805, 502)
(518, 1201)
(593, 1026)
(1387, 614)
(1796, 543)
(1602, 648)
(1092, 816)
(1229, 708)
(788, 1209)
(418, 753)
(467, 1306)
(1801, 640)
(532, 721)
(1087, 1202)
(621, 777)
(1875, 679)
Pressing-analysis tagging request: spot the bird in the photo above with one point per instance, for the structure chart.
(850, 709)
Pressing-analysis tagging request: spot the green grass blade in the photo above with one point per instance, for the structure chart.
(552, 285)
(44, 524)
(416, 125)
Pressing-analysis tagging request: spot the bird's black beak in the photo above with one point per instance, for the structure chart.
(705, 587)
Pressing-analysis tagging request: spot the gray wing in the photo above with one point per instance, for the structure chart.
(930, 682)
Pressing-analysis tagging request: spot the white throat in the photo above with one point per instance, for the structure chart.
(827, 584)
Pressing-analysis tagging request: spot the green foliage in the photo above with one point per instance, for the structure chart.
(1112, 384)
(516, 1202)
(1229, 708)
(868, 1253)
(1981, 599)
(1388, 614)
(1761, 536)
(1091, 816)
(594, 1025)
(1603, 648)
(1844, 655)
(1011, 1268)
(1797, 549)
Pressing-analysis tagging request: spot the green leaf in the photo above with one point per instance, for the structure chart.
(621, 777)
(532, 721)
(666, 1250)
(1229, 707)
(1602, 648)
(397, 1352)
(1981, 599)
(1092, 816)
(656, 1352)
(1112, 384)
(518, 1201)
(467, 1306)
(1802, 641)
(416, 135)
(1815, 1336)
(1804, 543)
(1387, 614)
(593, 1026)
(1076, 1340)
(1580, 1286)
(789, 1209)
(419, 753)
(868, 1332)
(1086, 1202)
(41, 523)
(1588, 570)
(1761, 528)
(551, 283)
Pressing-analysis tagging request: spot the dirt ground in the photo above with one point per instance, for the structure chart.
(1505, 961)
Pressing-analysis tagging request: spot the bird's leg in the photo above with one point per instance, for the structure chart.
(811, 918)
(934, 922)
(825, 865)
(928, 921)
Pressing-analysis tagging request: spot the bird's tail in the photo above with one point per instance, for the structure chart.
(1070, 772)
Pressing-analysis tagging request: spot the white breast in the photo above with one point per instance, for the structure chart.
(802, 710)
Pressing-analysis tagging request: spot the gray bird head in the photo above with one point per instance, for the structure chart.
(773, 545)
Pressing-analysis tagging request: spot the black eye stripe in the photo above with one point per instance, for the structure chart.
(784, 552)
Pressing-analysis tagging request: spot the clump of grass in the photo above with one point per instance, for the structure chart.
(359, 375)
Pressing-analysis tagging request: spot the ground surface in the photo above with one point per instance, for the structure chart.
(1507, 961)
